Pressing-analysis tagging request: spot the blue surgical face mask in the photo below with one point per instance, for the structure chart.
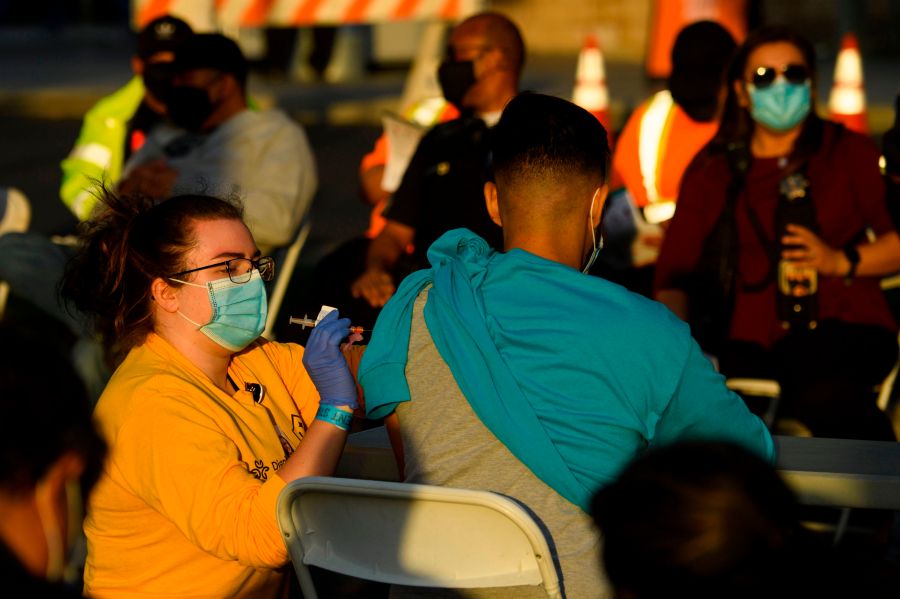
(239, 311)
(780, 106)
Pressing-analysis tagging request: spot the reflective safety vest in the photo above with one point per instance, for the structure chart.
(99, 152)
(647, 164)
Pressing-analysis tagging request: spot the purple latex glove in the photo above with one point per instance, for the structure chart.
(326, 364)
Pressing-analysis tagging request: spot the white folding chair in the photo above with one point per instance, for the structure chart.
(762, 389)
(416, 535)
(885, 390)
(284, 270)
(771, 390)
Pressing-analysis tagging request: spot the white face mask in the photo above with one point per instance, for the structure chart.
(597, 246)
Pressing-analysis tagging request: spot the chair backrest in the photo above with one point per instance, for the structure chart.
(284, 270)
(15, 216)
(417, 535)
(763, 389)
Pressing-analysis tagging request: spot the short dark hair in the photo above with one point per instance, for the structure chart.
(697, 519)
(45, 413)
(548, 139)
(700, 56)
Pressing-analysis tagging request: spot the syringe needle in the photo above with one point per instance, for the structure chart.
(309, 322)
(303, 322)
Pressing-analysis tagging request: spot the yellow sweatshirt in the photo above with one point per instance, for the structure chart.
(186, 505)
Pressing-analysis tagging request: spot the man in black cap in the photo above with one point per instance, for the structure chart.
(442, 188)
(263, 156)
(118, 124)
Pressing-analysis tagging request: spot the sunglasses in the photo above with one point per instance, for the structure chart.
(763, 77)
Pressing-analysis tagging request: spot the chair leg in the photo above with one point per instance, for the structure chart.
(305, 579)
(841, 526)
(771, 412)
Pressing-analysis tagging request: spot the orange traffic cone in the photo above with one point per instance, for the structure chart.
(847, 102)
(590, 83)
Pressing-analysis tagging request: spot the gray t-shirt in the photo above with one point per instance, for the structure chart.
(262, 157)
(445, 443)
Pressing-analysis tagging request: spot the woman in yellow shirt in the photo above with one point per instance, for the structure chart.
(206, 421)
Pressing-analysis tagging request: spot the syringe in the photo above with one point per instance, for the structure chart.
(311, 322)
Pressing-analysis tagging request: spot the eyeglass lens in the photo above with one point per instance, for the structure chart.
(763, 77)
(240, 269)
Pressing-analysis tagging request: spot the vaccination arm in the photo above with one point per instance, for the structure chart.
(392, 426)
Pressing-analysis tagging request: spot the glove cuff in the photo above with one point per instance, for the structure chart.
(339, 402)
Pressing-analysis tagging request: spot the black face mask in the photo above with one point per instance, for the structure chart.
(189, 107)
(456, 77)
(158, 80)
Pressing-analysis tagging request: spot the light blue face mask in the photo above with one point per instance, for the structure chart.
(780, 106)
(239, 311)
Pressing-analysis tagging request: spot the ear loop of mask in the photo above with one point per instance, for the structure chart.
(75, 507)
(596, 247)
(53, 535)
(182, 314)
(193, 322)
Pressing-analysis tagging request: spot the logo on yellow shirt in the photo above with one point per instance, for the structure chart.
(260, 471)
(299, 425)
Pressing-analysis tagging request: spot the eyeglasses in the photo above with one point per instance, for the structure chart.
(240, 269)
(763, 77)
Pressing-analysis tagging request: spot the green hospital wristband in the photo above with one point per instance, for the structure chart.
(335, 416)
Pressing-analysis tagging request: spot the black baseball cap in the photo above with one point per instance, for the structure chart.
(162, 34)
(211, 51)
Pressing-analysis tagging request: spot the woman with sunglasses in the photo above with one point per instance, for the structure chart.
(206, 421)
(786, 214)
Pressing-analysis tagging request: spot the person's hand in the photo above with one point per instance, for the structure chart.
(153, 179)
(326, 365)
(375, 286)
(812, 252)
